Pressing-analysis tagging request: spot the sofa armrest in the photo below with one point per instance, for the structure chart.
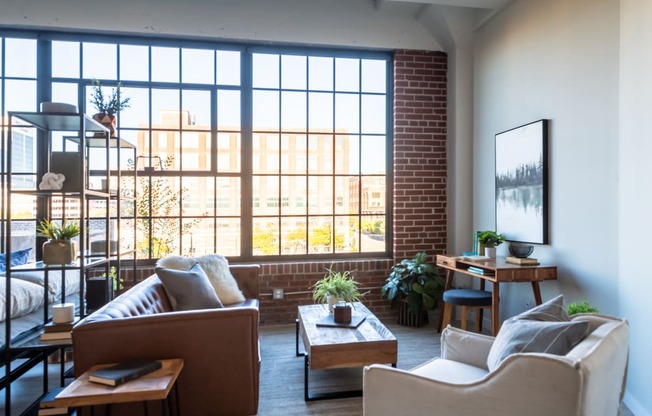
(247, 276)
(219, 348)
(465, 347)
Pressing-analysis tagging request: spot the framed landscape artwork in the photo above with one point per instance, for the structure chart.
(522, 183)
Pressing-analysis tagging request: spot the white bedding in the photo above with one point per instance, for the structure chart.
(55, 284)
(26, 297)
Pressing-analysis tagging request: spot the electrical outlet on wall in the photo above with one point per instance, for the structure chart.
(277, 293)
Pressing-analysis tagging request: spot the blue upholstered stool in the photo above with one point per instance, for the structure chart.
(466, 298)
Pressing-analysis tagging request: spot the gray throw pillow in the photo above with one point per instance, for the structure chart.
(551, 311)
(188, 290)
(521, 335)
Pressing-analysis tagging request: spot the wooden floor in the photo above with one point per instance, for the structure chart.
(281, 380)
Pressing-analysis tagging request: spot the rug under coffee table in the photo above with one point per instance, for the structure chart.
(328, 347)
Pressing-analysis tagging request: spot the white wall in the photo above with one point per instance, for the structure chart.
(565, 61)
(319, 22)
(635, 202)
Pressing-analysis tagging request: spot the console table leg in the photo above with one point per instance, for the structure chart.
(495, 312)
(537, 293)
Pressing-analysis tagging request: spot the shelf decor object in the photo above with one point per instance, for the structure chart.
(522, 183)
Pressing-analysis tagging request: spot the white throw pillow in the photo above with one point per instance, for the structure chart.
(217, 270)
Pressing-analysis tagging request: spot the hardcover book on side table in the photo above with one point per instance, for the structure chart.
(123, 372)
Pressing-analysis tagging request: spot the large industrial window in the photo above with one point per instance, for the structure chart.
(242, 150)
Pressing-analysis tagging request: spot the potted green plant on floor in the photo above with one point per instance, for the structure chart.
(417, 285)
(59, 249)
(490, 240)
(336, 286)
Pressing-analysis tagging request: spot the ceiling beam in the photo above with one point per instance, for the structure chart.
(477, 4)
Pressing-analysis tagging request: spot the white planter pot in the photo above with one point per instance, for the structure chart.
(490, 252)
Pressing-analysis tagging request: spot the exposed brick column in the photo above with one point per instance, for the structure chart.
(420, 108)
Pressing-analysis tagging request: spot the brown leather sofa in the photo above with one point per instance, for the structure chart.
(219, 346)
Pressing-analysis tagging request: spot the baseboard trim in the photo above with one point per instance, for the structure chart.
(634, 406)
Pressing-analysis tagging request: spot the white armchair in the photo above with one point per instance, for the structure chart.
(588, 381)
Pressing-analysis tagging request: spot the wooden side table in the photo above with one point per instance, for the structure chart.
(153, 386)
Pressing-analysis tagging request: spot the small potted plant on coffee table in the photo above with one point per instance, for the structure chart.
(337, 287)
(490, 240)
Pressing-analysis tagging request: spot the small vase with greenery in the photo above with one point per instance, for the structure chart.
(490, 240)
(60, 249)
(108, 106)
(416, 282)
(582, 306)
(336, 286)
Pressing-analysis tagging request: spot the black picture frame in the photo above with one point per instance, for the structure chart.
(522, 183)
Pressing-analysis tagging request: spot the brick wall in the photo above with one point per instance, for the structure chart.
(419, 193)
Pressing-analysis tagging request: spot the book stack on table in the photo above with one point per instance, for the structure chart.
(527, 261)
(478, 270)
(58, 332)
(123, 372)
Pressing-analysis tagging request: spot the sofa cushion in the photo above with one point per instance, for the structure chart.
(520, 335)
(188, 290)
(552, 310)
(449, 371)
(217, 270)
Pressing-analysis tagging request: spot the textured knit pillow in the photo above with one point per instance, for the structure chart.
(217, 270)
(188, 290)
(520, 335)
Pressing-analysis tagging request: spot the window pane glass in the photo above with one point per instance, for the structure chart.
(198, 238)
(320, 154)
(320, 107)
(293, 154)
(165, 64)
(228, 197)
(266, 111)
(373, 149)
(373, 195)
(373, 114)
(347, 74)
(347, 155)
(265, 236)
(373, 234)
(166, 146)
(320, 235)
(342, 195)
(320, 195)
(20, 95)
(134, 62)
(197, 104)
(198, 66)
(293, 111)
(100, 60)
(165, 108)
(320, 73)
(294, 192)
(20, 58)
(265, 71)
(266, 153)
(64, 92)
(228, 67)
(347, 113)
(293, 72)
(196, 150)
(65, 59)
(137, 114)
(228, 110)
(294, 236)
(228, 152)
(228, 236)
(346, 235)
(374, 76)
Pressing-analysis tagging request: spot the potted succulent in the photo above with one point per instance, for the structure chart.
(59, 249)
(418, 285)
(490, 240)
(336, 287)
(108, 107)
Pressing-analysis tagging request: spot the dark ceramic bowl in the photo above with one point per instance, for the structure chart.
(520, 251)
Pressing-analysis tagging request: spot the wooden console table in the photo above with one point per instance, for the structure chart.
(496, 271)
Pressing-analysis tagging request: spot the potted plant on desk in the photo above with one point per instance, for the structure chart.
(59, 249)
(417, 284)
(490, 240)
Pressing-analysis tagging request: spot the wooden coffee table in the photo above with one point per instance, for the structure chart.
(328, 347)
